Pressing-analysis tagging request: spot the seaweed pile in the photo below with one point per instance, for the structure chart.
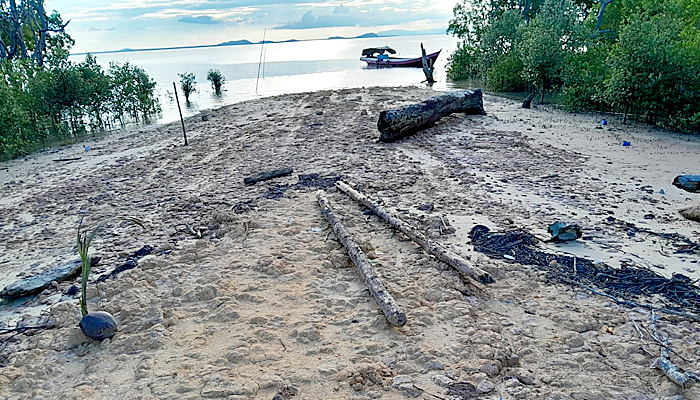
(677, 293)
(305, 181)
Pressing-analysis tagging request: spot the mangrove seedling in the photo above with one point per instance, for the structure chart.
(217, 80)
(95, 325)
(188, 84)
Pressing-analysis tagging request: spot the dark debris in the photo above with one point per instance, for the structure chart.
(678, 293)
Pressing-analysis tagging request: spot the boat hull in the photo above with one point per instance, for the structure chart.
(399, 62)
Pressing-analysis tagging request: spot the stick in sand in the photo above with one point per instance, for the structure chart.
(386, 302)
(455, 261)
(177, 100)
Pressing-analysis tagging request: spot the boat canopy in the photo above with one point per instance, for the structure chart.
(381, 50)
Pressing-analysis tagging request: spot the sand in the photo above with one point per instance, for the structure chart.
(267, 303)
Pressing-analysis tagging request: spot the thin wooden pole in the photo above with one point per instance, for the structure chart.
(386, 302)
(260, 61)
(440, 252)
(177, 100)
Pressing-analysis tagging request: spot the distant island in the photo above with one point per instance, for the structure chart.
(247, 42)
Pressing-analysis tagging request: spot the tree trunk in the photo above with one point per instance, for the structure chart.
(386, 302)
(603, 4)
(455, 261)
(528, 100)
(395, 124)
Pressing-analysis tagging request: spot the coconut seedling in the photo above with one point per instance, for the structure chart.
(96, 325)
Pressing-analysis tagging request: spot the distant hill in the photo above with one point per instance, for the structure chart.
(244, 42)
(235, 43)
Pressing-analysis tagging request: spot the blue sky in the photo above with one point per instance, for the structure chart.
(99, 25)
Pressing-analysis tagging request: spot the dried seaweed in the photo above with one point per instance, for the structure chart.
(305, 181)
(677, 293)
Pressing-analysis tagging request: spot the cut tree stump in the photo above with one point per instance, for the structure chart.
(386, 302)
(263, 176)
(441, 253)
(395, 124)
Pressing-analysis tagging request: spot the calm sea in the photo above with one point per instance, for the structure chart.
(286, 68)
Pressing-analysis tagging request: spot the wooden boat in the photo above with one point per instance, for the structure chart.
(378, 57)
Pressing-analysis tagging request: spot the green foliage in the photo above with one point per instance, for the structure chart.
(132, 92)
(217, 80)
(187, 84)
(40, 104)
(645, 59)
(505, 75)
(463, 63)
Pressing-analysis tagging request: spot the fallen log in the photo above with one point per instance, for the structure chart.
(395, 124)
(386, 302)
(691, 213)
(37, 283)
(263, 176)
(462, 265)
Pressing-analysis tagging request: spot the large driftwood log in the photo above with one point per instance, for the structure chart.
(395, 124)
(455, 261)
(385, 301)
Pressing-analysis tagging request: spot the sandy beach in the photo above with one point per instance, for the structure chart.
(267, 303)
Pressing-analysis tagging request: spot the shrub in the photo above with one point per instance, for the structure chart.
(217, 80)
(187, 84)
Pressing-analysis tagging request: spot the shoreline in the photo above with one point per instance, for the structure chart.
(267, 300)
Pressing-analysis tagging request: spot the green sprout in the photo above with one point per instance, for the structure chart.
(85, 238)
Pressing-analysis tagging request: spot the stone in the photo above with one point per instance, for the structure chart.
(485, 386)
(441, 380)
(37, 283)
(98, 325)
(689, 183)
(435, 365)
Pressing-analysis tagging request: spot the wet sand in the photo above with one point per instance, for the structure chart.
(269, 300)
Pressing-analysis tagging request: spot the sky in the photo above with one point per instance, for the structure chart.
(101, 25)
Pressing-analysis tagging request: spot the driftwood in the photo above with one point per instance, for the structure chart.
(691, 213)
(67, 159)
(395, 124)
(441, 253)
(663, 363)
(385, 301)
(39, 282)
(427, 67)
(263, 176)
(528, 100)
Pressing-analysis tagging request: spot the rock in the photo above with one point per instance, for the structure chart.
(441, 380)
(205, 117)
(98, 325)
(400, 380)
(435, 365)
(689, 183)
(562, 231)
(37, 283)
(485, 386)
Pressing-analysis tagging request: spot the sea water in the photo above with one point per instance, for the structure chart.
(255, 71)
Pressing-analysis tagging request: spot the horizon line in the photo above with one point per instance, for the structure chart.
(245, 42)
